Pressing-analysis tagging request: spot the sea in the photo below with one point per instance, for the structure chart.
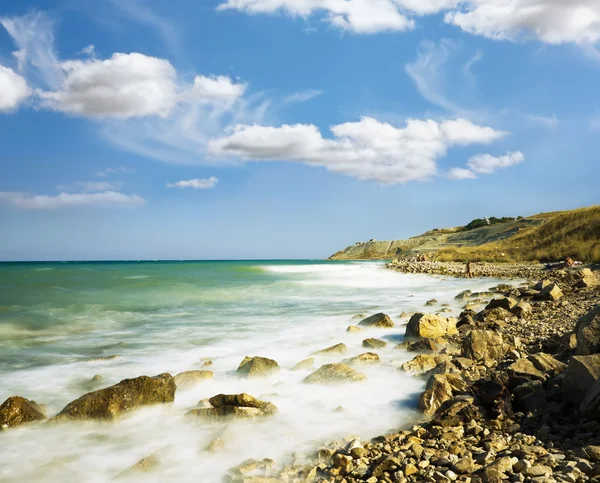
(61, 324)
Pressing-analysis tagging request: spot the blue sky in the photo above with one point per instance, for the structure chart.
(143, 129)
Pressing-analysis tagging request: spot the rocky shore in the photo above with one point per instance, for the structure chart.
(513, 391)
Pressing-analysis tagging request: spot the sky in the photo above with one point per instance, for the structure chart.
(265, 129)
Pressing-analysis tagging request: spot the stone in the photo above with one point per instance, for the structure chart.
(305, 364)
(465, 294)
(374, 344)
(387, 465)
(424, 363)
(542, 284)
(524, 367)
(17, 410)
(592, 453)
(551, 292)
(586, 278)
(335, 349)
(587, 331)
(506, 303)
(522, 309)
(484, 345)
(234, 406)
(366, 358)
(537, 470)
(421, 345)
(431, 302)
(354, 329)
(113, 401)
(378, 320)
(409, 469)
(255, 367)
(530, 397)
(216, 446)
(440, 388)
(547, 363)
(188, 379)
(145, 465)
(334, 374)
(430, 326)
(582, 372)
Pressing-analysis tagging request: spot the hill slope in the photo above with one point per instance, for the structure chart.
(543, 237)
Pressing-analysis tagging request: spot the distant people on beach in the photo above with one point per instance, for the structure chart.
(468, 272)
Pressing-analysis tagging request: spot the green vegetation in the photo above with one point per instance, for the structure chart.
(479, 222)
(574, 234)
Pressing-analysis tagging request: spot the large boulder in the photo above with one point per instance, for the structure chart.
(305, 364)
(378, 320)
(585, 278)
(506, 303)
(234, 406)
(538, 366)
(530, 397)
(334, 374)
(112, 402)
(484, 345)
(582, 372)
(374, 343)
(587, 332)
(440, 388)
(254, 367)
(551, 292)
(17, 410)
(591, 401)
(423, 363)
(334, 349)
(188, 379)
(366, 358)
(430, 326)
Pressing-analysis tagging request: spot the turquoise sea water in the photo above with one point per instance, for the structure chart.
(63, 323)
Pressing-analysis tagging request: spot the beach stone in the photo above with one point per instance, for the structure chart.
(366, 358)
(465, 294)
(334, 374)
(112, 402)
(430, 326)
(253, 367)
(484, 345)
(522, 309)
(537, 366)
(587, 332)
(188, 379)
(305, 364)
(234, 406)
(421, 345)
(431, 302)
(216, 446)
(585, 278)
(378, 320)
(551, 292)
(374, 344)
(335, 349)
(17, 410)
(530, 397)
(424, 363)
(145, 465)
(592, 453)
(354, 329)
(542, 284)
(524, 367)
(440, 388)
(582, 372)
(506, 303)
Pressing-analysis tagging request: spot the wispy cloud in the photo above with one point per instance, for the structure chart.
(28, 201)
(91, 186)
(550, 122)
(198, 183)
(108, 171)
(302, 96)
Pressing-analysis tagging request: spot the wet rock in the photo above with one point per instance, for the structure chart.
(354, 329)
(423, 363)
(254, 367)
(335, 349)
(366, 358)
(484, 345)
(145, 465)
(378, 320)
(421, 345)
(430, 326)
(188, 379)
(440, 388)
(234, 406)
(112, 402)
(431, 302)
(216, 445)
(17, 410)
(305, 364)
(374, 344)
(587, 332)
(465, 294)
(334, 374)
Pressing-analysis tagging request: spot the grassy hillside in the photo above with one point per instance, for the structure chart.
(543, 237)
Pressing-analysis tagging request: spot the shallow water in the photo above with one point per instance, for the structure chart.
(58, 323)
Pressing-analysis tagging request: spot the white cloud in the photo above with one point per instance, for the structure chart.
(198, 183)
(108, 171)
(551, 21)
(91, 186)
(13, 89)
(461, 173)
(217, 89)
(487, 164)
(124, 86)
(595, 124)
(67, 200)
(550, 122)
(367, 150)
(302, 96)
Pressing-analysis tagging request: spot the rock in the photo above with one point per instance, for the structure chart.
(305, 364)
(424, 363)
(145, 465)
(587, 332)
(440, 388)
(537, 470)
(484, 345)
(236, 406)
(586, 278)
(465, 294)
(430, 326)
(498, 316)
(582, 372)
(378, 320)
(355, 329)
(524, 367)
(253, 367)
(216, 446)
(591, 401)
(335, 349)
(334, 374)
(366, 358)
(188, 379)
(506, 303)
(374, 344)
(551, 292)
(541, 285)
(499, 469)
(387, 465)
(592, 453)
(207, 363)
(522, 309)
(112, 402)
(431, 302)
(421, 345)
(409, 469)
(17, 410)
(530, 397)
(547, 363)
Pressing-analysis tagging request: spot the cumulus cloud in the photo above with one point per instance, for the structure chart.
(198, 183)
(302, 96)
(216, 89)
(67, 200)
(488, 164)
(91, 186)
(123, 86)
(13, 89)
(461, 173)
(367, 150)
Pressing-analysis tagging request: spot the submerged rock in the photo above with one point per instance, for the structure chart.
(305, 364)
(335, 349)
(252, 367)
(334, 374)
(374, 344)
(234, 406)
(378, 320)
(188, 379)
(366, 358)
(112, 402)
(17, 410)
(430, 326)
(355, 329)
